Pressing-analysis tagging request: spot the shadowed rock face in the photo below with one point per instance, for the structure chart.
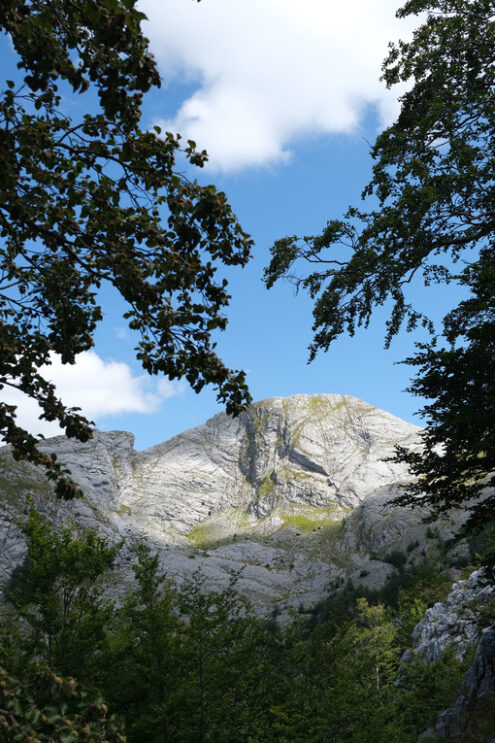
(457, 624)
(453, 623)
(478, 692)
(294, 489)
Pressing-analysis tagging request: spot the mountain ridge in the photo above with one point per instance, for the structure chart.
(295, 492)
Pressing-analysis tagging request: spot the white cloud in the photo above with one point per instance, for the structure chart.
(271, 71)
(122, 333)
(98, 387)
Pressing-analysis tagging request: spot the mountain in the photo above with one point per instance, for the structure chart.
(294, 494)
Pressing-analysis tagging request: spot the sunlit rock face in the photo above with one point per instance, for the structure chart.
(294, 491)
(319, 451)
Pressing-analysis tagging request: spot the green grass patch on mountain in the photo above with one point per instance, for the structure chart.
(267, 486)
(312, 519)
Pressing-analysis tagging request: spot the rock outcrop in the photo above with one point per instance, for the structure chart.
(454, 624)
(458, 625)
(477, 697)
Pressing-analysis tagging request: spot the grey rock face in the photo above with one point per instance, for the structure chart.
(294, 491)
(479, 688)
(455, 623)
(324, 451)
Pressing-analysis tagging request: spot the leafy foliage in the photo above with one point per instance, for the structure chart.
(100, 199)
(433, 185)
(140, 668)
(57, 593)
(46, 708)
(458, 460)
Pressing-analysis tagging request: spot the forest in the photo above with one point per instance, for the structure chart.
(163, 663)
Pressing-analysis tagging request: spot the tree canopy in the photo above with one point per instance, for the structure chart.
(458, 460)
(96, 199)
(434, 192)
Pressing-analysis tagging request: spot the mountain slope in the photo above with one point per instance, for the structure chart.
(323, 451)
(294, 491)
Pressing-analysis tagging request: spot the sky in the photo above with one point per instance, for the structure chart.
(286, 98)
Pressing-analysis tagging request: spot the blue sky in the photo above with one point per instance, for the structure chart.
(286, 97)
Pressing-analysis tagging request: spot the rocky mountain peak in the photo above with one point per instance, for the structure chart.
(268, 491)
(321, 451)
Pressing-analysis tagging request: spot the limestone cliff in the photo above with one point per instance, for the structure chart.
(294, 491)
